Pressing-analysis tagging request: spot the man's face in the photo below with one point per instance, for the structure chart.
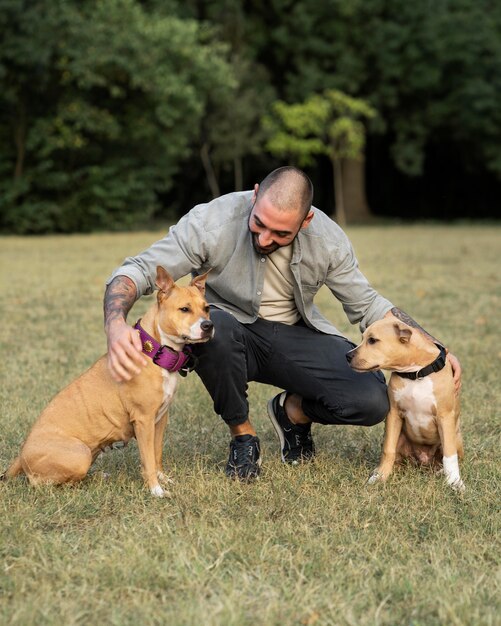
(272, 228)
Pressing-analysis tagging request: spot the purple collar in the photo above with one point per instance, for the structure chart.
(163, 356)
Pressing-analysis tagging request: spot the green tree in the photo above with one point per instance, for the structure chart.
(331, 124)
(99, 102)
(231, 130)
(431, 69)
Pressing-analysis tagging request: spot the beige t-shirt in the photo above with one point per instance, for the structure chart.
(277, 301)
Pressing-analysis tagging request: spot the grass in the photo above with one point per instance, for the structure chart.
(306, 546)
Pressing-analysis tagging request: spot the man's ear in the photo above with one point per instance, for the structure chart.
(403, 332)
(256, 189)
(307, 219)
(164, 280)
(199, 282)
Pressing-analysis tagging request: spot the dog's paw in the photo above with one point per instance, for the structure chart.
(458, 485)
(374, 478)
(163, 478)
(158, 492)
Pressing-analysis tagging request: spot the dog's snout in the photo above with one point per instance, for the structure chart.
(349, 356)
(206, 326)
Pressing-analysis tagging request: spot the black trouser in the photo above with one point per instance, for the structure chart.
(295, 358)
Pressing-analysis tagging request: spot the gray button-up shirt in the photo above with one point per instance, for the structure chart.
(216, 236)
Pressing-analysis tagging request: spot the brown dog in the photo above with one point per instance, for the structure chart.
(94, 411)
(423, 422)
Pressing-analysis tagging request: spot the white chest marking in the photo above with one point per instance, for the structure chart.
(169, 385)
(417, 400)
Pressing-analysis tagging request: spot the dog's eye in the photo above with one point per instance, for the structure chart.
(372, 340)
(185, 309)
(207, 309)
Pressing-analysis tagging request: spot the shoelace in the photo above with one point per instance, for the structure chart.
(241, 450)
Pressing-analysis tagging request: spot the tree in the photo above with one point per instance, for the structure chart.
(99, 102)
(330, 124)
(432, 71)
(231, 130)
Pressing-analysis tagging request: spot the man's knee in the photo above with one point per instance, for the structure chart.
(366, 405)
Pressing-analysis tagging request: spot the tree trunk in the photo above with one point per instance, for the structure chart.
(355, 199)
(338, 191)
(209, 171)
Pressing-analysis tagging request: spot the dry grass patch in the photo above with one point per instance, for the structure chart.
(312, 545)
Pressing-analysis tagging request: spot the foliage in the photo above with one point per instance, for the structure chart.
(109, 108)
(432, 70)
(331, 123)
(328, 123)
(103, 102)
(232, 130)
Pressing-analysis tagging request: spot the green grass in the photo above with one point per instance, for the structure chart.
(311, 545)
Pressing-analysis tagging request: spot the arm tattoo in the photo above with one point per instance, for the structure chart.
(119, 297)
(398, 313)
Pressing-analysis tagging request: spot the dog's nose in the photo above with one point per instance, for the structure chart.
(206, 326)
(349, 357)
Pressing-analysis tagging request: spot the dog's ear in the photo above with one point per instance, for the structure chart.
(403, 332)
(164, 281)
(199, 282)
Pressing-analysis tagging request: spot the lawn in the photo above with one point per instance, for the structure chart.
(308, 545)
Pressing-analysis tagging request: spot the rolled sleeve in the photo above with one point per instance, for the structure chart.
(361, 303)
(181, 251)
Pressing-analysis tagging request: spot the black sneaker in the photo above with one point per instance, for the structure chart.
(245, 458)
(295, 439)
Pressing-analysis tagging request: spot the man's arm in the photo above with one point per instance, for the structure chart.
(456, 366)
(125, 357)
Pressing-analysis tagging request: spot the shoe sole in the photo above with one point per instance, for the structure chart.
(278, 429)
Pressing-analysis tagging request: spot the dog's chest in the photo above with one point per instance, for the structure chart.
(169, 385)
(417, 404)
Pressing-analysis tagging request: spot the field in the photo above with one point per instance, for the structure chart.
(309, 545)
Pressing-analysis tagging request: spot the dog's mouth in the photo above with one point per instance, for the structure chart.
(202, 339)
(199, 332)
(374, 368)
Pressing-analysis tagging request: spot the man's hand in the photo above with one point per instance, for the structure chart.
(456, 371)
(125, 356)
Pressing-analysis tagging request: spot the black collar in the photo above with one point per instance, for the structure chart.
(436, 366)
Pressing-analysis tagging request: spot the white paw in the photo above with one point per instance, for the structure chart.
(458, 485)
(158, 492)
(374, 478)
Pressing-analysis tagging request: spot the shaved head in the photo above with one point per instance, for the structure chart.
(288, 189)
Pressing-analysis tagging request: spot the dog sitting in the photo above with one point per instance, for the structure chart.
(94, 411)
(423, 422)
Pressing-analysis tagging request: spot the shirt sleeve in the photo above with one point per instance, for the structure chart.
(361, 303)
(181, 251)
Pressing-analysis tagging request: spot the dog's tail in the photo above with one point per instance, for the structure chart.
(15, 469)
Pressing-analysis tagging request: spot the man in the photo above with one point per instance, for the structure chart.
(269, 252)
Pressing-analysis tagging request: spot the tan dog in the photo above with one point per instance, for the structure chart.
(423, 422)
(94, 411)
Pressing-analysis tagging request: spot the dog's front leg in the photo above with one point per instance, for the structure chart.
(392, 430)
(447, 431)
(145, 435)
(159, 443)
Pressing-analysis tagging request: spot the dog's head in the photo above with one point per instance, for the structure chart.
(183, 312)
(387, 344)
